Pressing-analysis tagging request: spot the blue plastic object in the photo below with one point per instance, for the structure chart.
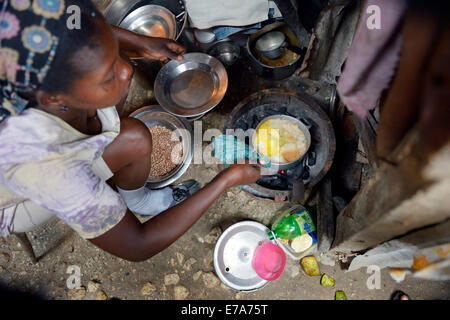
(229, 150)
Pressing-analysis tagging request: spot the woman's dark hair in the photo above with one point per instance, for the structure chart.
(65, 68)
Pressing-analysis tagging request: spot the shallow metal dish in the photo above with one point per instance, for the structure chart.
(302, 127)
(156, 116)
(191, 87)
(233, 255)
(152, 21)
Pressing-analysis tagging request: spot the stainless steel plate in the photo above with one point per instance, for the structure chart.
(233, 255)
(191, 87)
(152, 21)
(156, 116)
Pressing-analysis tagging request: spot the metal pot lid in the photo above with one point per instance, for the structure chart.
(233, 255)
(270, 41)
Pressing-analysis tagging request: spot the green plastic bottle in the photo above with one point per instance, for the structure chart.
(292, 224)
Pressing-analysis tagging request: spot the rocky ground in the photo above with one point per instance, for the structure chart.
(184, 270)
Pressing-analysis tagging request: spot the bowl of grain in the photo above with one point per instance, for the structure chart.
(173, 145)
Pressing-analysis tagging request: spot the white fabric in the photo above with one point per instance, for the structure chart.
(147, 202)
(204, 14)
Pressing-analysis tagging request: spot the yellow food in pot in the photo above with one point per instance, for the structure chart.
(280, 140)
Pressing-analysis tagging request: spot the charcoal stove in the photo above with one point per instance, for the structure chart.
(289, 184)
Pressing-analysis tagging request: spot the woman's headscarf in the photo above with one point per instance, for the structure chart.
(30, 31)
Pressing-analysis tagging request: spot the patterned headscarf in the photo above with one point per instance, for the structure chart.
(29, 35)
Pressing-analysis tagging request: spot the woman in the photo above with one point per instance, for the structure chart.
(61, 137)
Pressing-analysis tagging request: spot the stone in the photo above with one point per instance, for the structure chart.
(213, 235)
(4, 257)
(210, 280)
(294, 271)
(188, 264)
(171, 279)
(197, 275)
(101, 296)
(180, 258)
(208, 262)
(180, 292)
(148, 289)
(93, 286)
(223, 286)
(77, 294)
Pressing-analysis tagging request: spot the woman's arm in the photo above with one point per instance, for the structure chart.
(151, 48)
(134, 241)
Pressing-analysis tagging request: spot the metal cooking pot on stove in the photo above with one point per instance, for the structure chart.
(303, 128)
(298, 187)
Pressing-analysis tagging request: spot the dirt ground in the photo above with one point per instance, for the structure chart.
(187, 263)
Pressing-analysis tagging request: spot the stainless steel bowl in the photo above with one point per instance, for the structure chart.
(152, 21)
(301, 126)
(233, 255)
(227, 51)
(117, 10)
(191, 87)
(156, 116)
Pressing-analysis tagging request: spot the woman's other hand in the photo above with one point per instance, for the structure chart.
(160, 49)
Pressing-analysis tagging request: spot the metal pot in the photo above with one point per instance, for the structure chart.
(227, 51)
(302, 127)
(269, 71)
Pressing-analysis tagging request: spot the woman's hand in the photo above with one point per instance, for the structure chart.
(160, 49)
(241, 174)
(151, 48)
